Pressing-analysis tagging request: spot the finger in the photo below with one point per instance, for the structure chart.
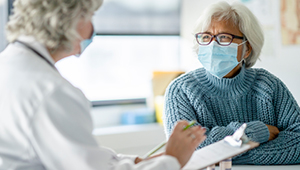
(195, 143)
(200, 137)
(188, 132)
(191, 137)
(201, 130)
(199, 134)
(191, 132)
(180, 125)
(198, 129)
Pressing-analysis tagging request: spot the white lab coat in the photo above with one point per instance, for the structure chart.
(45, 121)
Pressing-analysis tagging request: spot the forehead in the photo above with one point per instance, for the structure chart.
(223, 26)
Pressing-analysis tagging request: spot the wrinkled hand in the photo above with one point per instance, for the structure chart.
(273, 132)
(182, 143)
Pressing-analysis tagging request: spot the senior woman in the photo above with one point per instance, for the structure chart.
(227, 92)
(45, 121)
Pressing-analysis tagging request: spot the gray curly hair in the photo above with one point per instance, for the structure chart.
(52, 22)
(241, 16)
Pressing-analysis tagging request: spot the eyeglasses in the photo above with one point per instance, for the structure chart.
(223, 39)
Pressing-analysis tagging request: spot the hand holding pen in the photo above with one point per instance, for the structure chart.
(183, 141)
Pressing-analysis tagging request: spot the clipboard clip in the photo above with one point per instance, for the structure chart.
(238, 138)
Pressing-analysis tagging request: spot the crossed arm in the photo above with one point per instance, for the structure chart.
(276, 147)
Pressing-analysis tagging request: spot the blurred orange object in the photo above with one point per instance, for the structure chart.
(160, 81)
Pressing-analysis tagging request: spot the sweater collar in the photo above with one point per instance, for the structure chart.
(228, 87)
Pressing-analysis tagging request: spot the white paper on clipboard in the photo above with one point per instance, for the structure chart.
(215, 153)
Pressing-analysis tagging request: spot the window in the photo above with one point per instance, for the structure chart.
(138, 17)
(134, 38)
(120, 67)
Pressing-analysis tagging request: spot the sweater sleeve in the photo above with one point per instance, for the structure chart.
(178, 107)
(285, 149)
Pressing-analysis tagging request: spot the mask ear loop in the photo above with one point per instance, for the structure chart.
(243, 50)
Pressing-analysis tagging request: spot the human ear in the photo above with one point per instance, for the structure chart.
(248, 50)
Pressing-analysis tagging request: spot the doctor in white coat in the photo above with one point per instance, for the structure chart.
(44, 120)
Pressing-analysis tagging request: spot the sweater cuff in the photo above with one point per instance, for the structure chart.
(257, 131)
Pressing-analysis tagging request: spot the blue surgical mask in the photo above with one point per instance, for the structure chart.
(85, 43)
(219, 60)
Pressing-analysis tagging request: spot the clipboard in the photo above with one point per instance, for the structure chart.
(226, 148)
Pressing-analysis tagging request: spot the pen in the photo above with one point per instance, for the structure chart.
(164, 143)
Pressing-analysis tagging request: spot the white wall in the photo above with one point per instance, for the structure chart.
(283, 61)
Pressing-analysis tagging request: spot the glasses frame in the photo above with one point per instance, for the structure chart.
(215, 36)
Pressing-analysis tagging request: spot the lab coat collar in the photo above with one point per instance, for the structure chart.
(30, 41)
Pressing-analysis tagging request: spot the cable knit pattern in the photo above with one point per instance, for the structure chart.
(254, 96)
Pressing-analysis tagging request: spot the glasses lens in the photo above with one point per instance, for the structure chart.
(203, 38)
(224, 39)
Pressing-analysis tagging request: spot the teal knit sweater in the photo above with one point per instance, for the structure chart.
(254, 96)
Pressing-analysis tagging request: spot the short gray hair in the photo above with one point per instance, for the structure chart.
(52, 22)
(241, 16)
